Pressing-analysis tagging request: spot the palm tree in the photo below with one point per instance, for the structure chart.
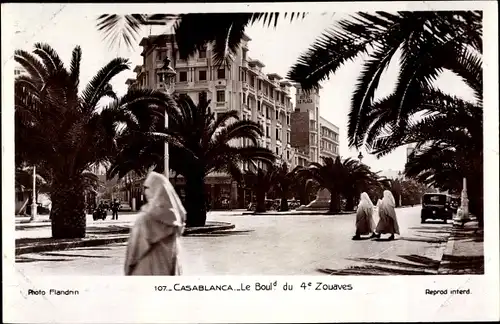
(61, 131)
(303, 187)
(282, 183)
(193, 31)
(449, 142)
(329, 175)
(200, 143)
(260, 181)
(357, 178)
(426, 43)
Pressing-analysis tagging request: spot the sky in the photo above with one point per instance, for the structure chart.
(65, 26)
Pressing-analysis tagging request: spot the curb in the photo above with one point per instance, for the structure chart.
(444, 265)
(305, 213)
(61, 246)
(448, 250)
(221, 226)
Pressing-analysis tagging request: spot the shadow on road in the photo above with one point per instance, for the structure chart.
(463, 264)
(25, 259)
(220, 233)
(417, 265)
(423, 239)
(75, 255)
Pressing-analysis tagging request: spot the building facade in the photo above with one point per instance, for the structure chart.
(313, 136)
(243, 86)
(329, 139)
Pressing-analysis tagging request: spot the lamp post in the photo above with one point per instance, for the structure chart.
(167, 79)
(360, 157)
(33, 199)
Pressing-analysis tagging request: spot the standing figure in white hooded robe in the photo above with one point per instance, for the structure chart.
(388, 223)
(364, 217)
(153, 247)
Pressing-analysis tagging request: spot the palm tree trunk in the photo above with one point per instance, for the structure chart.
(68, 217)
(350, 203)
(261, 202)
(334, 204)
(195, 201)
(284, 202)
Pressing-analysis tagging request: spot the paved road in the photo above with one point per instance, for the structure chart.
(273, 245)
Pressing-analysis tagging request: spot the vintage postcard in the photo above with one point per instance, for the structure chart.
(241, 162)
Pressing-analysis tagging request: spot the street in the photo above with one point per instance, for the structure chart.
(273, 245)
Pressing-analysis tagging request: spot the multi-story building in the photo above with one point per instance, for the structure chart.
(409, 150)
(312, 135)
(18, 70)
(329, 139)
(242, 86)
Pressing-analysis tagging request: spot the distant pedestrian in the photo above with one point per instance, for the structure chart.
(115, 206)
(153, 247)
(364, 217)
(388, 223)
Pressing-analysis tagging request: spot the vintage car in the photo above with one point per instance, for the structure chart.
(436, 206)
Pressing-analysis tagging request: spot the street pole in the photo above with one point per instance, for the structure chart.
(33, 202)
(166, 158)
(169, 87)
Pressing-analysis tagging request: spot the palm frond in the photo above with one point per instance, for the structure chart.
(97, 87)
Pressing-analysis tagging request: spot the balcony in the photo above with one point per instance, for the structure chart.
(246, 108)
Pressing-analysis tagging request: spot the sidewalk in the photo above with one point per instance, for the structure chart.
(464, 252)
(37, 236)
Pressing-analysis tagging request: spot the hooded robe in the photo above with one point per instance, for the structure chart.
(364, 218)
(154, 247)
(388, 223)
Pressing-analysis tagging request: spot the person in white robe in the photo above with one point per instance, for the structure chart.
(388, 222)
(364, 217)
(154, 244)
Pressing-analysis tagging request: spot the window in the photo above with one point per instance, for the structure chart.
(267, 131)
(271, 94)
(202, 75)
(201, 96)
(266, 90)
(277, 134)
(288, 120)
(288, 155)
(288, 137)
(244, 97)
(260, 85)
(277, 115)
(258, 105)
(183, 76)
(252, 81)
(203, 53)
(277, 151)
(221, 73)
(161, 55)
(267, 112)
(221, 96)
